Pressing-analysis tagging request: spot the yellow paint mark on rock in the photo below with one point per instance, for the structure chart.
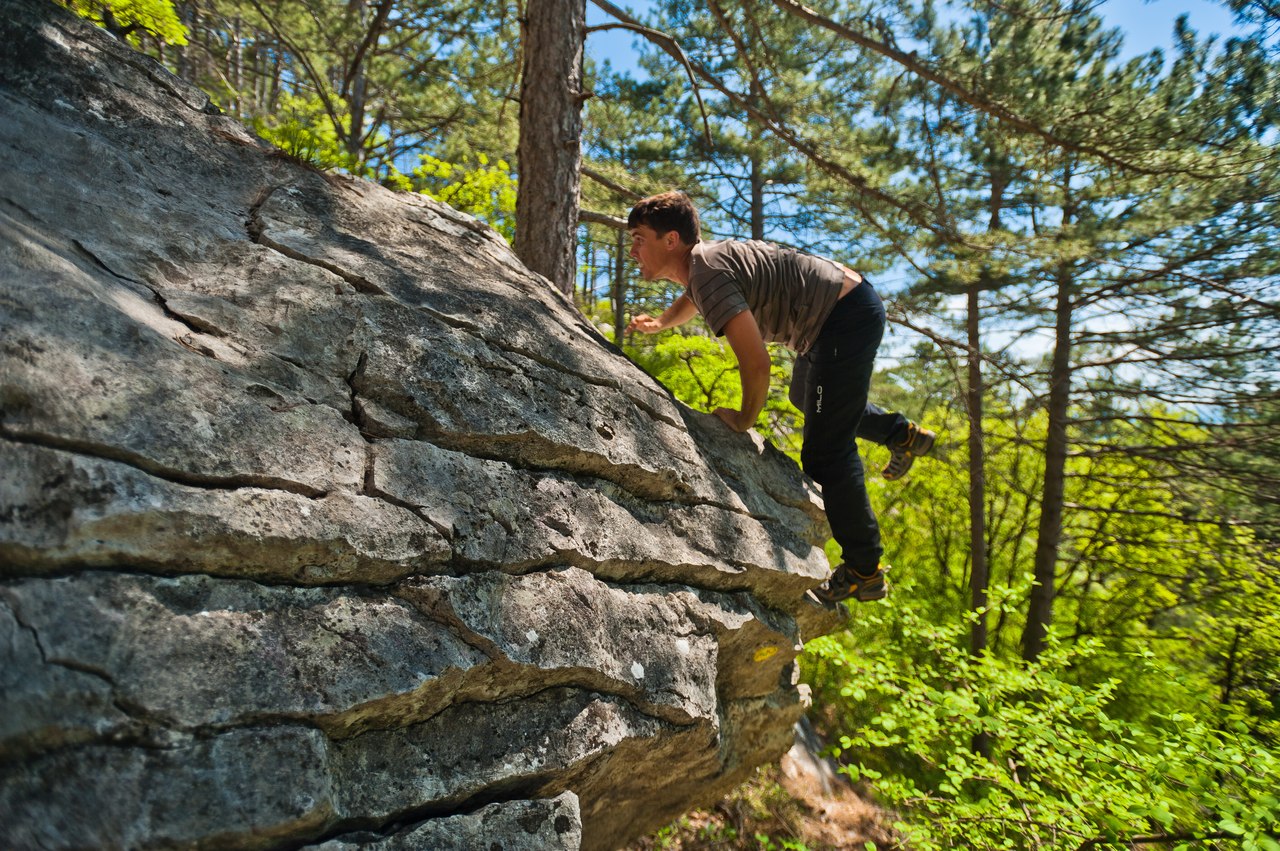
(765, 653)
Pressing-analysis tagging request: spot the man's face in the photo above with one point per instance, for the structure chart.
(651, 251)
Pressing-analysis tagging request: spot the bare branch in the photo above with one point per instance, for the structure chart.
(602, 219)
(609, 184)
(672, 47)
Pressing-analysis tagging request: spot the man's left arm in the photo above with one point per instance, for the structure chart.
(753, 369)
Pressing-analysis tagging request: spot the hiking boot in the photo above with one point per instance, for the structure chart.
(917, 444)
(845, 582)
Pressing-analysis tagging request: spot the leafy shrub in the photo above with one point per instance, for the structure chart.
(1061, 771)
(484, 189)
(126, 18)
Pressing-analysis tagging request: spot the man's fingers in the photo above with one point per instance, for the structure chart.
(644, 323)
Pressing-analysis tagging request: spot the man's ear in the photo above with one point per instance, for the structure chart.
(670, 239)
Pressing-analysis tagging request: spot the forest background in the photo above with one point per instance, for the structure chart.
(1080, 251)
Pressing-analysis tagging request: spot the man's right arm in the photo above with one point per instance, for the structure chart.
(680, 312)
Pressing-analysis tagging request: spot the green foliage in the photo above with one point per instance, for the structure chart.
(391, 81)
(1064, 770)
(768, 843)
(1153, 714)
(301, 128)
(701, 371)
(126, 18)
(483, 189)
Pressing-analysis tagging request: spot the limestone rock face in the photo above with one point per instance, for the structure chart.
(325, 523)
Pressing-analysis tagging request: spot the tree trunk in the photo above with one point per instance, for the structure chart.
(619, 287)
(757, 198)
(355, 127)
(237, 67)
(757, 173)
(1229, 676)
(1049, 534)
(354, 84)
(979, 576)
(186, 14)
(549, 154)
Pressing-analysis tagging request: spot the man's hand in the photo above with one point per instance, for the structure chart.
(734, 419)
(680, 312)
(645, 324)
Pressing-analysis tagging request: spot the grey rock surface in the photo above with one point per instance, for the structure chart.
(325, 523)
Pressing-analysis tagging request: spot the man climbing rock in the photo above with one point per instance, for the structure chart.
(754, 292)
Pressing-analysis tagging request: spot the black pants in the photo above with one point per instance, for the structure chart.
(830, 384)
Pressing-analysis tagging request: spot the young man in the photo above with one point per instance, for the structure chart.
(753, 292)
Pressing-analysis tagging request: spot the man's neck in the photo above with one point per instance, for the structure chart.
(682, 263)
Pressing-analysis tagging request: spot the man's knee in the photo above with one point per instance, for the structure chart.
(827, 467)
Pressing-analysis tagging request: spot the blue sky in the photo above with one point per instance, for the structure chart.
(1145, 23)
(1150, 24)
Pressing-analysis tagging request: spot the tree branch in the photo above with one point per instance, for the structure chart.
(1158, 840)
(913, 64)
(587, 216)
(804, 147)
(673, 48)
(609, 184)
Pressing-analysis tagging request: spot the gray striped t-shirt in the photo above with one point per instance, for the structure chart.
(790, 293)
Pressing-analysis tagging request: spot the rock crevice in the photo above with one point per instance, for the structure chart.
(120, 455)
(257, 231)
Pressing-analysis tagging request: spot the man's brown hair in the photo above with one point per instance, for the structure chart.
(670, 211)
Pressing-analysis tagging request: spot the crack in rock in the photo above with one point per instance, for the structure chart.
(257, 231)
(430, 827)
(550, 362)
(106, 452)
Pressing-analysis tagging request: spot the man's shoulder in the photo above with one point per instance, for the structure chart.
(714, 247)
(709, 249)
(707, 260)
(714, 264)
(727, 255)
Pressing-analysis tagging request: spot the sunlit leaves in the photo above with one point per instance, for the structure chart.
(485, 189)
(127, 17)
(1064, 769)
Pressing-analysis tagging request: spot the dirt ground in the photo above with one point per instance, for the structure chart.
(801, 803)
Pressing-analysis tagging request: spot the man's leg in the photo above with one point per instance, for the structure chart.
(876, 425)
(906, 440)
(882, 427)
(835, 396)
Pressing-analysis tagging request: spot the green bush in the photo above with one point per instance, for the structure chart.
(484, 189)
(1062, 770)
(127, 18)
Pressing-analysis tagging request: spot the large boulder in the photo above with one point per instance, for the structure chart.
(325, 523)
